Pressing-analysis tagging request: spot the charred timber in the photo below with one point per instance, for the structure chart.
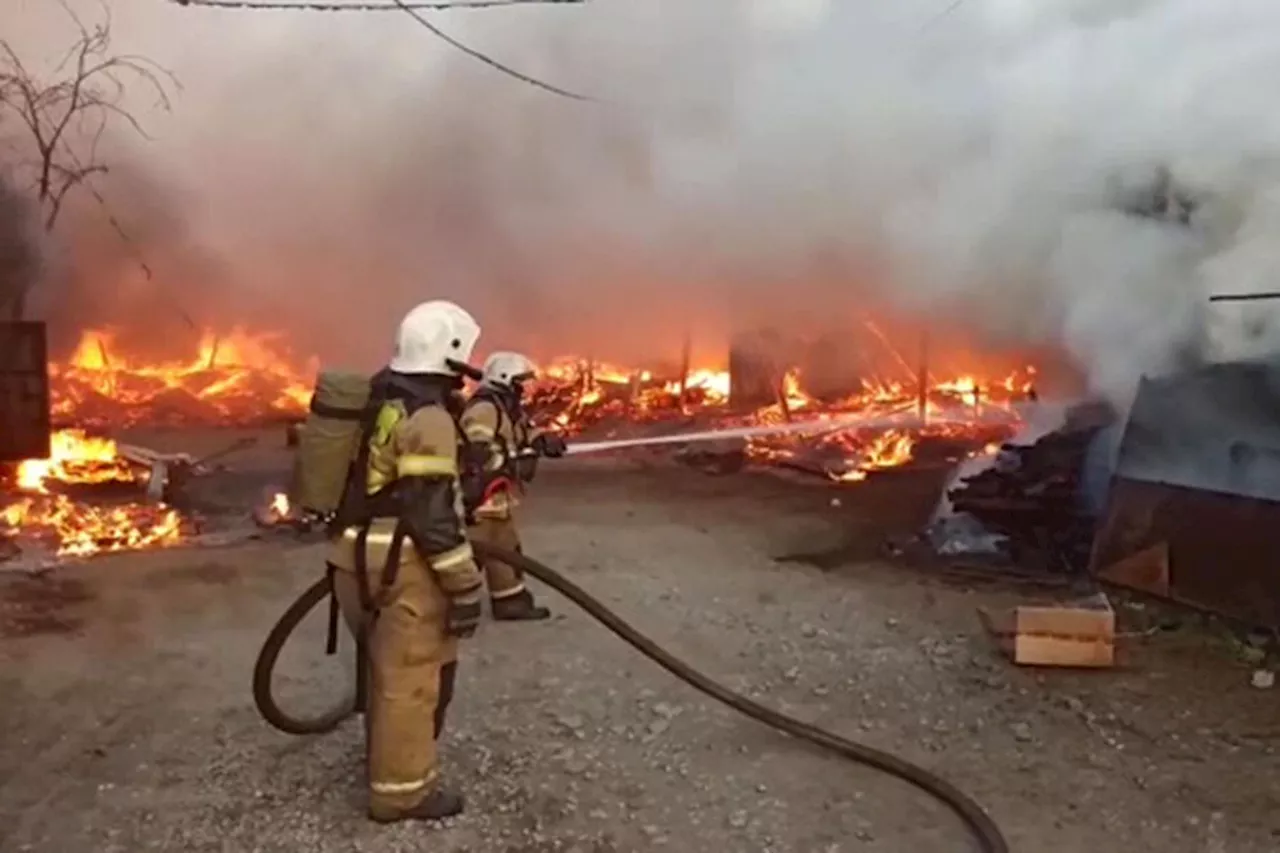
(1031, 495)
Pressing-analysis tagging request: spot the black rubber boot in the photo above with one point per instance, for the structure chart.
(518, 608)
(438, 805)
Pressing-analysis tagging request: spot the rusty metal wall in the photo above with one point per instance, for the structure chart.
(1223, 550)
(24, 392)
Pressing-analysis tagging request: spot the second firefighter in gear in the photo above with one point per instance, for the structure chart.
(404, 573)
(508, 447)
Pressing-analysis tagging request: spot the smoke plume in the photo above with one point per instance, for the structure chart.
(990, 165)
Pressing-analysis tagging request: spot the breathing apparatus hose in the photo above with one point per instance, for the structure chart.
(978, 822)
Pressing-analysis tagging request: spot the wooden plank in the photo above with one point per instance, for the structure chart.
(1076, 636)
(1070, 634)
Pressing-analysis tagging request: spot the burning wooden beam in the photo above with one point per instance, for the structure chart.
(213, 354)
(635, 383)
(686, 359)
(922, 381)
(780, 391)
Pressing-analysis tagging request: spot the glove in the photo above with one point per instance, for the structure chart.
(462, 616)
(472, 496)
(473, 478)
(551, 445)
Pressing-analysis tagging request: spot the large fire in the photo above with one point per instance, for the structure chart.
(68, 526)
(239, 379)
(577, 396)
(233, 379)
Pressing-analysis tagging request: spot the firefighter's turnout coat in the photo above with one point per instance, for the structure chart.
(501, 435)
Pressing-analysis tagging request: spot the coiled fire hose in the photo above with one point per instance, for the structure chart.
(979, 823)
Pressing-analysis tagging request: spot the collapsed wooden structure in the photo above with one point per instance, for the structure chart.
(1190, 494)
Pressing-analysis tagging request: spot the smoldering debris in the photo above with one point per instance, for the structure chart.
(1032, 498)
(1029, 507)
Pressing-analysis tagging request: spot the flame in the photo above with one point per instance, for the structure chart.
(574, 395)
(241, 378)
(76, 527)
(888, 450)
(74, 458)
(792, 392)
(81, 529)
(964, 387)
(233, 378)
(713, 383)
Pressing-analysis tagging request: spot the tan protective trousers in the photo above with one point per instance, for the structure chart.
(503, 581)
(411, 663)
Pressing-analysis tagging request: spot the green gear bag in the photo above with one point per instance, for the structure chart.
(328, 440)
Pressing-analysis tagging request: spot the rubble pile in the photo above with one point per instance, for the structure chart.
(1027, 505)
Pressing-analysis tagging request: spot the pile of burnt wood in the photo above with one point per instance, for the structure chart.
(1030, 498)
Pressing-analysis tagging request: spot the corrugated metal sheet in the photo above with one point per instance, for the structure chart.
(1198, 471)
(1216, 429)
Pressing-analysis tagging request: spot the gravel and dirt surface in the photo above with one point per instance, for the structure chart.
(126, 722)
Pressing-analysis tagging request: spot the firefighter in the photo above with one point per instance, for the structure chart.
(496, 424)
(404, 572)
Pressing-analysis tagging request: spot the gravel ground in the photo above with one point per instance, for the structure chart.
(128, 725)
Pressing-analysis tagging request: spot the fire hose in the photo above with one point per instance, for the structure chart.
(976, 820)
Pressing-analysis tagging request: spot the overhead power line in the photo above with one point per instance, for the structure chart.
(411, 8)
(384, 6)
(488, 60)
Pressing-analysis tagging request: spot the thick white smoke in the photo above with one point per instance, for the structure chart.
(772, 156)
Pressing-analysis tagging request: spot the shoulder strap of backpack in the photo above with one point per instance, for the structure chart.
(485, 395)
(352, 507)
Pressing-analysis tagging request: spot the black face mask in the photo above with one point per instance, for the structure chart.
(421, 388)
(517, 385)
(464, 370)
(456, 401)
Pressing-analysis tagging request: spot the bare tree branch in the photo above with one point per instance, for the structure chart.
(66, 115)
(66, 180)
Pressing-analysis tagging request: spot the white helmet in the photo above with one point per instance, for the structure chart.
(506, 369)
(436, 337)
